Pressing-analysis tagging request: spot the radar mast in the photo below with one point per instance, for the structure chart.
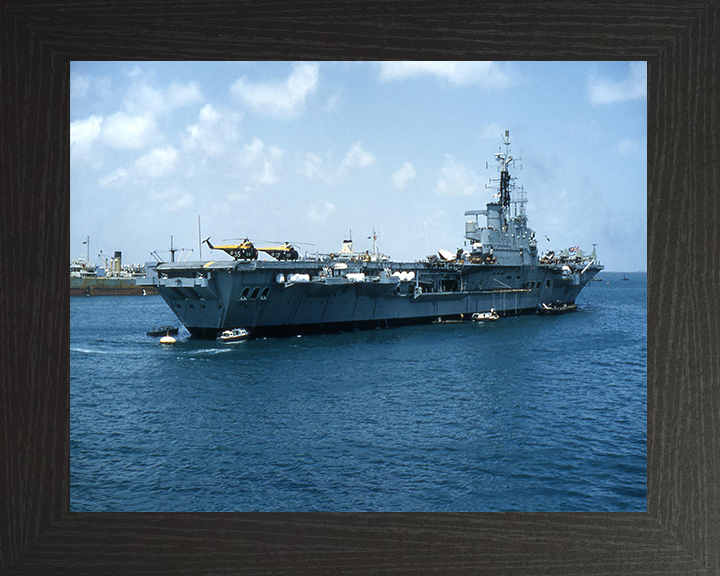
(504, 160)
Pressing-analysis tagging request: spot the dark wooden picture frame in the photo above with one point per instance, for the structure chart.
(680, 532)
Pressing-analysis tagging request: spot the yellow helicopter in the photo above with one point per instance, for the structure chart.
(246, 250)
(243, 251)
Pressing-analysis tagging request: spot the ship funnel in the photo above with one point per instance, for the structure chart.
(117, 261)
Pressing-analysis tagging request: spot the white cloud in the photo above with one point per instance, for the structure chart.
(212, 131)
(483, 74)
(333, 103)
(115, 178)
(179, 95)
(403, 175)
(358, 157)
(321, 211)
(312, 167)
(260, 161)
(171, 200)
(279, 98)
(493, 132)
(183, 201)
(141, 98)
(128, 132)
(315, 169)
(159, 162)
(456, 180)
(98, 88)
(79, 86)
(632, 87)
(82, 135)
(237, 197)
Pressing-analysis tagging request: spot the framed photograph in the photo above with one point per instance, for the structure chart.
(51, 530)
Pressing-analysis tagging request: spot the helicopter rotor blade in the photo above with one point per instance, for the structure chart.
(281, 243)
(254, 240)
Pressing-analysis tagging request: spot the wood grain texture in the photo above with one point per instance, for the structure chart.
(680, 532)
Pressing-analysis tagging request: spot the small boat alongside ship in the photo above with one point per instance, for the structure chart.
(234, 335)
(556, 308)
(490, 316)
(163, 330)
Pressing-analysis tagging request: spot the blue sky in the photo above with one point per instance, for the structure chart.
(307, 151)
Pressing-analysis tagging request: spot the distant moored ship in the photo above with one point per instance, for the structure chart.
(114, 279)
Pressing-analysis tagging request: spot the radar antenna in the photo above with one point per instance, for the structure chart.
(504, 160)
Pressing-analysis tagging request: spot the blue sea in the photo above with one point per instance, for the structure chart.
(530, 413)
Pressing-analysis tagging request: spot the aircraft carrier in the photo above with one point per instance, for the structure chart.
(500, 268)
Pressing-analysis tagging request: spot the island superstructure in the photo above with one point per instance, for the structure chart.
(501, 268)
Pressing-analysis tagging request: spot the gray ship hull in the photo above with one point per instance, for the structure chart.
(211, 297)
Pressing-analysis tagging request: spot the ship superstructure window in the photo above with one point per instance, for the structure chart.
(244, 293)
(547, 284)
(265, 292)
(255, 293)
